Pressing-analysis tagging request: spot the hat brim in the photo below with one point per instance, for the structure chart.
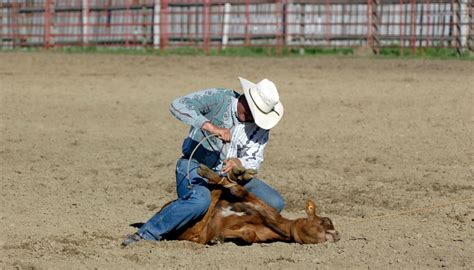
(263, 120)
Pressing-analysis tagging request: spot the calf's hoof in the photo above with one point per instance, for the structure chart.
(333, 235)
(205, 172)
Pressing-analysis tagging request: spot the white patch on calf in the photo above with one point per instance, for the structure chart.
(228, 212)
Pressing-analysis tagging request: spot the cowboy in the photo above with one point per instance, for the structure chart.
(224, 124)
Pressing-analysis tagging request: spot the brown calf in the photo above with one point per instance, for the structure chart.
(237, 215)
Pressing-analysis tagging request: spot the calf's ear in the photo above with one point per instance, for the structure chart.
(310, 209)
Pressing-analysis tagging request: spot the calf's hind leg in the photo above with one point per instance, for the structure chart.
(245, 233)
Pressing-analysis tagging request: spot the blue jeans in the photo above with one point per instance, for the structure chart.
(194, 199)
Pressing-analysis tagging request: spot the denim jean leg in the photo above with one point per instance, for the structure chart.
(265, 193)
(182, 181)
(193, 201)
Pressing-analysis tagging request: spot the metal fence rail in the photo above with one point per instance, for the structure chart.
(226, 23)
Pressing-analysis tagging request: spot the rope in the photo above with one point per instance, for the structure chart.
(421, 209)
(194, 150)
(222, 180)
(230, 185)
(191, 156)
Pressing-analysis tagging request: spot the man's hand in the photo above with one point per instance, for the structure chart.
(222, 133)
(229, 164)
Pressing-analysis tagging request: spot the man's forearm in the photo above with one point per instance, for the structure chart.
(222, 133)
(209, 127)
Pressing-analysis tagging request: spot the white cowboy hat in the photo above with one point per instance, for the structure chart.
(264, 102)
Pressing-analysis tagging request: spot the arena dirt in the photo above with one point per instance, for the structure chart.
(88, 146)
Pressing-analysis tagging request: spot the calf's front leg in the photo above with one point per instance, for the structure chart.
(213, 178)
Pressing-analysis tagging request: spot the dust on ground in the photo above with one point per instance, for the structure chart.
(88, 146)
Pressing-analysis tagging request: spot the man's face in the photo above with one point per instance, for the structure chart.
(243, 110)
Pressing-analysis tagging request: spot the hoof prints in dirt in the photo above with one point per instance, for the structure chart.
(356, 199)
(68, 245)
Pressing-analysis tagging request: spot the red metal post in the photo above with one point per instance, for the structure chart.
(164, 24)
(443, 23)
(207, 24)
(107, 24)
(127, 25)
(247, 23)
(13, 23)
(47, 24)
(453, 24)
(191, 37)
(328, 23)
(376, 18)
(369, 24)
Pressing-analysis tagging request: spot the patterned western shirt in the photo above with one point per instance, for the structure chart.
(219, 106)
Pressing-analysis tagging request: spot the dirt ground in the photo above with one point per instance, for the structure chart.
(88, 146)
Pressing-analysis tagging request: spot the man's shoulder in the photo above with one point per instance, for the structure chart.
(226, 91)
(216, 92)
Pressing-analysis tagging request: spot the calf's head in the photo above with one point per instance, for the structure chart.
(313, 229)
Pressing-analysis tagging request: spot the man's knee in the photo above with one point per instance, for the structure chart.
(266, 193)
(201, 199)
(276, 202)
